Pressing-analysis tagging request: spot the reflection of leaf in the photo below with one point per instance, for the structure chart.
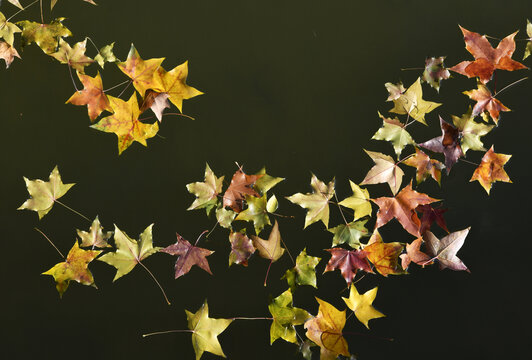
(46, 36)
(188, 255)
(362, 305)
(326, 331)
(487, 59)
(124, 122)
(285, 316)
(95, 237)
(491, 169)
(73, 268)
(445, 249)
(205, 331)
(44, 193)
(304, 272)
(316, 203)
(129, 252)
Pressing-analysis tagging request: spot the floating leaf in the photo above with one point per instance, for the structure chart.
(435, 72)
(414, 254)
(8, 53)
(256, 212)
(425, 166)
(359, 201)
(486, 102)
(7, 30)
(143, 73)
(448, 144)
(106, 55)
(240, 186)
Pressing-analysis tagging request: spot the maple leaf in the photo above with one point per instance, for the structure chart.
(106, 55)
(206, 192)
(425, 166)
(349, 233)
(241, 185)
(256, 212)
(358, 202)
(348, 262)
(445, 249)
(491, 169)
(265, 182)
(326, 331)
(487, 59)
(205, 331)
(402, 208)
(73, 268)
(285, 317)
(241, 248)
(43, 194)
(74, 57)
(174, 84)
(53, 2)
(528, 48)
(470, 131)
(304, 272)
(411, 102)
(394, 90)
(394, 131)
(385, 256)
(385, 170)
(46, 36)
(431, 215)
(129, 252)
(124, 122)
(188, 255)
(317, 203)
(8, 53)
(92, 95)
(413, 254)
(16, 3)
(435, 72)
(95, 237)
(486, 102)
(155, 101)
(448, 144)
(271, 248)
(224, 216)
(362, 305)
(7, 30)
(143, 73)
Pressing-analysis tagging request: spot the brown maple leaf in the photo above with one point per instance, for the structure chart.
(431, 215)
(448, 144)
(155, 101)
(348, 262)
(187, 256)
(425, 166)
(8, 53)
(491, 169)
(241, 185)
(414, 254)
(92, 95)
(487, 59)
(385, 256)
(241, 248)
(486, 102)
(402, 208)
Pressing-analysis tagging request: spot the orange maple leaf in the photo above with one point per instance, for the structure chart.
(92, 95)
(486, 102)
(241, 185)
(491, 169)
(385, 256)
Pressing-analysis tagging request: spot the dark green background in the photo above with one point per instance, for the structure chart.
(293, 85)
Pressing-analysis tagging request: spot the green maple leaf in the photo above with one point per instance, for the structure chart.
(317, 203)
(411, 102)
(471, 131)
(95, 237)
(73, 56)
(224, 216)
(129, 252)
(349, 233)
(205, 331)
(257, 211)
(46, 36)
(265, 182)
(359, 201)
(106, 55)
(7, 30)
(43, 194)
(285, 316)
(393, 130)
(73, 268)
(528, 49)
(207, 191)
(304, 272)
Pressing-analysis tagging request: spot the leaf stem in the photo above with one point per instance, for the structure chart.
(508, 86)
(93, 44)
(18, 12)
(214, 227)
(267, 272)
(50, 241)
(413, 68)
(199, 237)
(180, 114)
(167, 332)
(288, 251)
(469, 162)
(114, 87)
(157, 282)
(340, 208)
(42, 17)
(72, 77)
(250, 318)
(74, 211)
(129, 83)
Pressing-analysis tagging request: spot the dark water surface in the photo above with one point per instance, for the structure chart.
(293, 85)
